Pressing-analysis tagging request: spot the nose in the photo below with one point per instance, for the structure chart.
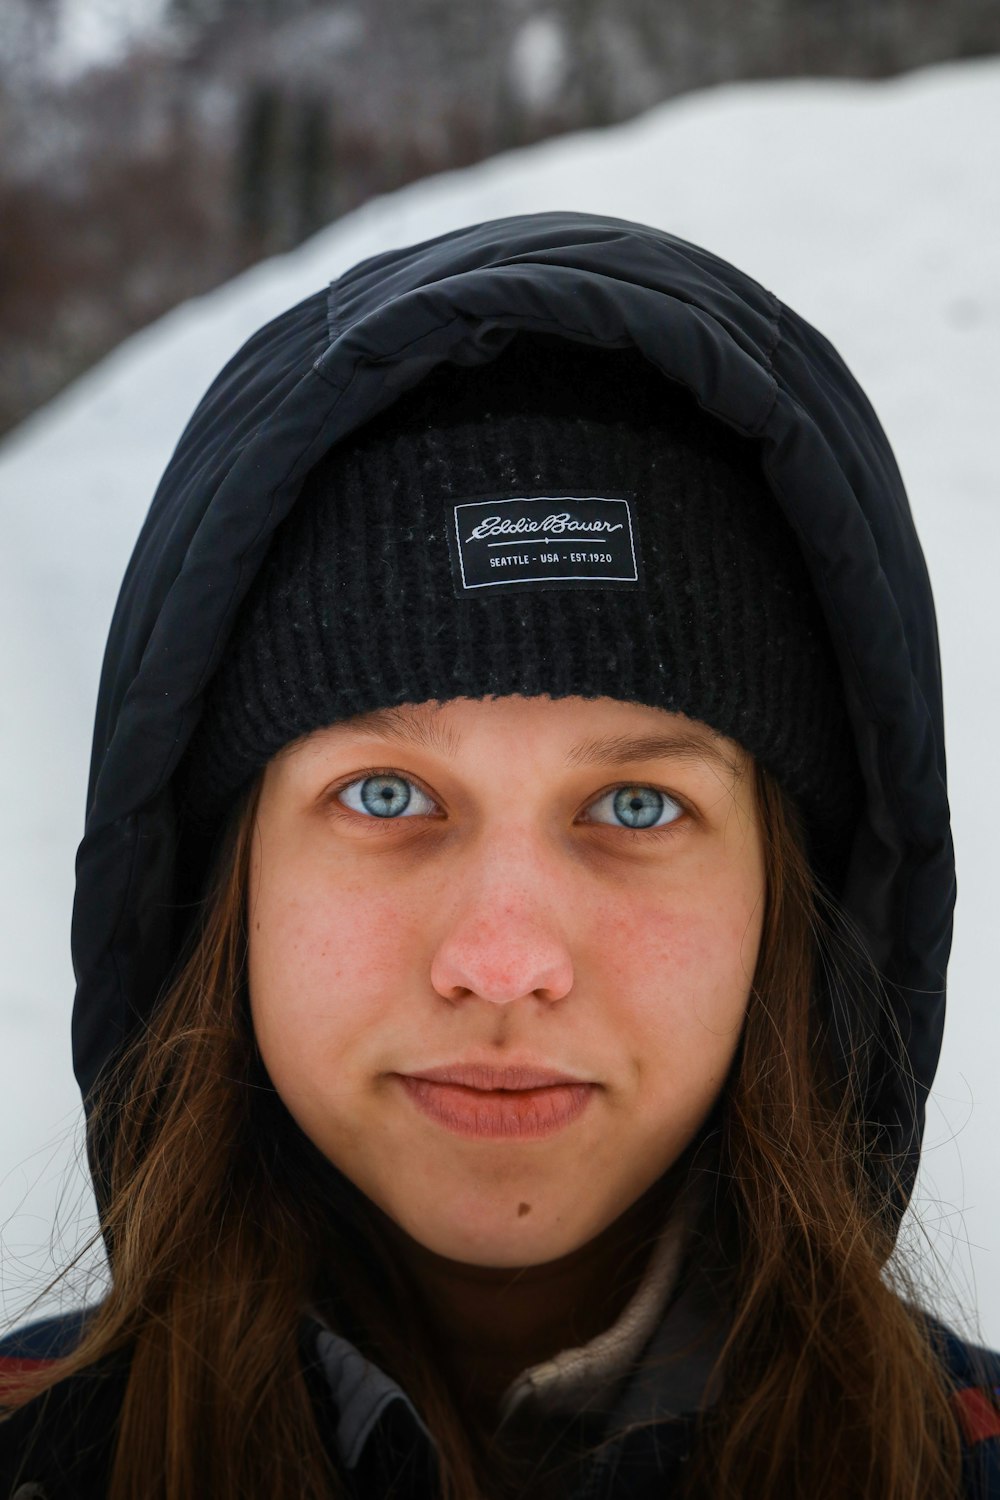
(504, 939)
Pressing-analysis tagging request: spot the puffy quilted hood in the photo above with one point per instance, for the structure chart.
(325, 367)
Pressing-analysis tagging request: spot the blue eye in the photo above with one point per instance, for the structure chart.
(641, 807)
(384, 795)
(389, 796)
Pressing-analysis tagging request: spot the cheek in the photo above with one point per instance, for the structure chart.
(683, 969)
(324, 965)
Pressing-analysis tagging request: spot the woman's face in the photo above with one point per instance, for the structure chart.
(503, 883)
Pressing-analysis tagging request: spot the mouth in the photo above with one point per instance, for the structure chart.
(498, 1113)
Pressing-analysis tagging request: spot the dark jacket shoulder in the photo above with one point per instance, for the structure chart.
(975, 1375)
(61, 1443)
(58, 1446)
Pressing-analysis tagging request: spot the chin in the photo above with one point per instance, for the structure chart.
(504, 1239)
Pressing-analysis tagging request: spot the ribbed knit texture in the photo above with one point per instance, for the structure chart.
(355, 607)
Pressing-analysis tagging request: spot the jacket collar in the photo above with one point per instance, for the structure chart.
(651, 1366)
(606, 1374)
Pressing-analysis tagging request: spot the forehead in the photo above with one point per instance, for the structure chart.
(601, 731)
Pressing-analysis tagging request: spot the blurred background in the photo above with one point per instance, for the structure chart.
(175, 172)
(153, 148)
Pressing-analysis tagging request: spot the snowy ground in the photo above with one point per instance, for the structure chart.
(873, 210)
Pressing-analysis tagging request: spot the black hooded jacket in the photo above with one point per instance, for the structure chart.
(319, 371)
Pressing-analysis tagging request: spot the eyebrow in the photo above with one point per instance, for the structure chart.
(600, 750)
(620, 749)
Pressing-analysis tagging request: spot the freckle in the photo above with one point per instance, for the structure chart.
(522, 1209)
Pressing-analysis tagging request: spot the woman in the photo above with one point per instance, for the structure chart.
(513, 915)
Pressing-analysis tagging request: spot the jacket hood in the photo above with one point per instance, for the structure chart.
(329, 364)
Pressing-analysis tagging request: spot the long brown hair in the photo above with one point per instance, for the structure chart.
(224, 1222)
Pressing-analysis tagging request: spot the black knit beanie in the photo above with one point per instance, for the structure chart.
(560, 521)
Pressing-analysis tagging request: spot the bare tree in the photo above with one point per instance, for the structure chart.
(245, 125)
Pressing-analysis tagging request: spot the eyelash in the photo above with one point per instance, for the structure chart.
(339, 810)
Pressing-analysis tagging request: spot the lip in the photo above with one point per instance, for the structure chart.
(521, 1110)
(490, 1076)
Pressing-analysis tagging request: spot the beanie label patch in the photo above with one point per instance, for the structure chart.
(544, 541)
